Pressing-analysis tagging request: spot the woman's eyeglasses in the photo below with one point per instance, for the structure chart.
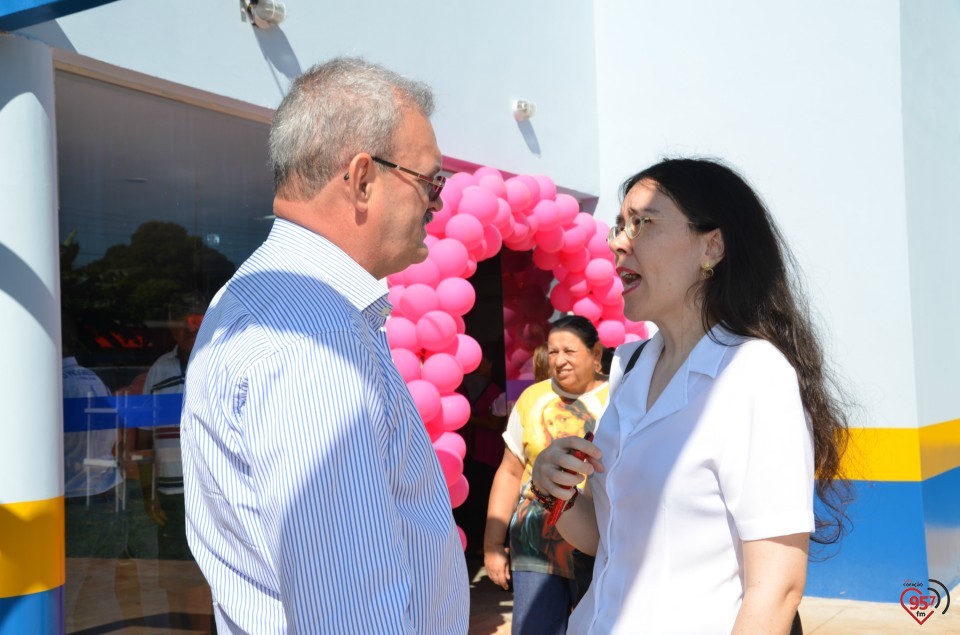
(437, 182)
(636, 224)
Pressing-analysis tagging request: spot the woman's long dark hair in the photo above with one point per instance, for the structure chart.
(751, 293)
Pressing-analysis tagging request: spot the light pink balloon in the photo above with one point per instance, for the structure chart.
(458, 496)
(426, 397)
(460, 180)
(588, 307)
(568, 208)
(443, 371)
(407, 363)
(436, 330)
(467, 229)
(468, 353)
(548, 189)
(521, 233)
(452, 442)
(450, 464)
(518, 194)
(435, 427)
(451, 195)
(504, 217)
(547, 215)
(561, 298)
(450, 257)
(471, 267)
(599, 271)
(401, 333)
(456, 295)
(461, 325)
(544, 259)
(587, 223)
(463, 537)
(631, 337)
(577, 284)
(425, 272)
(438, 225)
(480, 203)
(611, 333)
(416, 300)
(611, 293)
(533, 186)
(456, 411)
(397, 279)
(486, 170)
(493, 183)
(550, 240)
(394, 292)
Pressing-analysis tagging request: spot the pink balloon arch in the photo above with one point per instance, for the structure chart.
(545, 238)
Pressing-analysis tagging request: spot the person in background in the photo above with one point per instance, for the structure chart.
(548, 576)
(702, 474)
(315, 500)
(541, 362)
(163, 486)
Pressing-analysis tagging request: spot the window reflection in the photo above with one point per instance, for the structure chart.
(159, 202)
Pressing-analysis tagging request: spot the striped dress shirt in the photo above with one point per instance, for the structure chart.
(315, 502)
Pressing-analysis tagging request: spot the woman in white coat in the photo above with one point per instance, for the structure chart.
(699, 503)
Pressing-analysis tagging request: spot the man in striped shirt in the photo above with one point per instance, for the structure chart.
(315, 502)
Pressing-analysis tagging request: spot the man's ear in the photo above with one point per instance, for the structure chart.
(359, 179)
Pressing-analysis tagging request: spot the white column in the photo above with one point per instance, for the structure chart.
(31, 473)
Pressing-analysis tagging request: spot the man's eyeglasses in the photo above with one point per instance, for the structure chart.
(436, 182)
(636, 224)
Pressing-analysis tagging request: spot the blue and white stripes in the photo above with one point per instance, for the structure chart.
(314, 498)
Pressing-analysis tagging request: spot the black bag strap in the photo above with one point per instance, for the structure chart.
(634, 358)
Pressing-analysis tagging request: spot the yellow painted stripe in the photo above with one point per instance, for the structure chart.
(902, 454)
(31, 547)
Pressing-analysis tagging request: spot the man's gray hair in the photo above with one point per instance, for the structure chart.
(334, 111)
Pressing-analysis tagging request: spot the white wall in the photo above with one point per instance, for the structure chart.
(479, 57)
(931, 104)
(804, 99)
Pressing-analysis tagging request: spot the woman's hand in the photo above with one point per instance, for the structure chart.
(497, 563)
(556, 470)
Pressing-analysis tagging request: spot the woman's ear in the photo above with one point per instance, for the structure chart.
(715, 248)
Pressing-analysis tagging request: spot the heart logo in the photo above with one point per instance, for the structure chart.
(916, 604)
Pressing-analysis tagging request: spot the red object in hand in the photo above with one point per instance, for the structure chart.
(560, 506)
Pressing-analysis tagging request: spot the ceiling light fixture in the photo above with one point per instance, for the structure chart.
(264, 13)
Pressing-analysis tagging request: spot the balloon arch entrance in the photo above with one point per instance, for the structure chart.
(554, 258)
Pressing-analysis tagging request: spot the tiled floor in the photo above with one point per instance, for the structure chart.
(149, 597)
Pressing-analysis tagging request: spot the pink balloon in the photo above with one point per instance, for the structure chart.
(599, 247)
(461, 325)
(550, 240)
(459, 491)
(468, 353)
(460, 180)
(450, 257)
(407, 363)
(518, 194)
(443, 371)
(401, 333)
(578, 285)
(397, 279)
(451, 464)
(548, 189)
(486, 170)
(471, 268)
(612, 311)
(452, 442)
(441, 217)
(611, 293)
(467, 229)
(611, 333)
(631, 337)
(451, 195)
(493, 183)
(456, 295)
(480, 203)
(521, 233)
(416, 300)
(599, 271)
(463, 537)
(493, 240)
(561, 298)
(545, 259)
(425, 272)
(573, 240)
(519, 356)
(547, 215)
(568, 208)
(587, 223)
(504, 218)
(436, 330)
(426, 397)
(588, 307)
(456, 411)
(394, 293)
(533, 186)
(576, 261)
